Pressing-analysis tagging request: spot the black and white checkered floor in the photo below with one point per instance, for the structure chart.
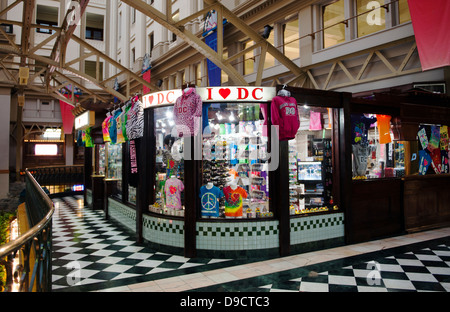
(87, 250)
(427, 269)
(420, 267)
(91, 253)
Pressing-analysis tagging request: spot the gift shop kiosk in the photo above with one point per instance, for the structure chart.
(398, 149)
(235, 171)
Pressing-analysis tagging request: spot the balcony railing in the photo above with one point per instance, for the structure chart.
(35, 245)
(59, 179)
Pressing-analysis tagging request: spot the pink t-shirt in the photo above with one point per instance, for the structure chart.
(187, 110)
(284, 113)
(105, 129)
(173, 189)
(315, 121)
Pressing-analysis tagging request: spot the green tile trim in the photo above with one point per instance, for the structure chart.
(235, 231)
(163, 225)
(306, 223)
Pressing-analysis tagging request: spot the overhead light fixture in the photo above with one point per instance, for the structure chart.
(232, 118)
(267, 31)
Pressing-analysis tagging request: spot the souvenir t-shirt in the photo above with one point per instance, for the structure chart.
(80, 141)
(124, 118)
(423, 138)
(209, 199)
(361, 153)
(315, 121)
(384, 127)
(120, 137)
(135, 120)
(360, 128)
(445, 162)
(284, 114)
(113, 127)
(433, 143)
(436, 162)
(105, 129)
(186, 111)
(424, 162)
(444, 138)
(173, 189)
(134, 148)
(88, 138)
(234, 201)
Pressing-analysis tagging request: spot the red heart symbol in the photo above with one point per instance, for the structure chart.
(224, 92)
(150, 99)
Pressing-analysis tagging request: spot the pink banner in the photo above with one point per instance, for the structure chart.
(431, 23)
(146, 76)
(67, 117)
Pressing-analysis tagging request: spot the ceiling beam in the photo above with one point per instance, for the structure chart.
(28, 10)
(189, 37)
(256, 37)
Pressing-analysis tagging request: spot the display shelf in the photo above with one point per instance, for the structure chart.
(312, 190)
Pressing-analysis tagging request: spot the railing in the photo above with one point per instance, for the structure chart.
(34, 246)
(58, 179)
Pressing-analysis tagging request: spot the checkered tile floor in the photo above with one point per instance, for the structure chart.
(418, 267)
(87, 249)
(91, 253)
(426, 269)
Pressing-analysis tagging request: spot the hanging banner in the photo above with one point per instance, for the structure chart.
(146, 76)
(210, 35)
(214, 72)
(431, 23)
(67, 117)
(116, 88)
(146, 72)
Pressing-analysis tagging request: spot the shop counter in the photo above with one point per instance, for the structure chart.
(97, 192)
(375, 210)
(110, 188)
(426, 201)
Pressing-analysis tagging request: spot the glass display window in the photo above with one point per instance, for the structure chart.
(132, 194)
(101, 159)
(235, 181)
(310, 162)
(169, 166)
(430, 154)
(374, 152)
(334, 32)
(371, 17)
(114, 170)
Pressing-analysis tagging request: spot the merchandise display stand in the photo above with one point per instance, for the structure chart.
(234, 152)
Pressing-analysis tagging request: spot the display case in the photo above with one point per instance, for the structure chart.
(101, 160)
(169, 166)
(234, 161)
(114, 169)
(311, 165)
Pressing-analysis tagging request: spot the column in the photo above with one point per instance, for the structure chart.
(5, 99)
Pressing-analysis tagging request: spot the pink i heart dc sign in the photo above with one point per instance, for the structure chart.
(236, 94)
(214, 94)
